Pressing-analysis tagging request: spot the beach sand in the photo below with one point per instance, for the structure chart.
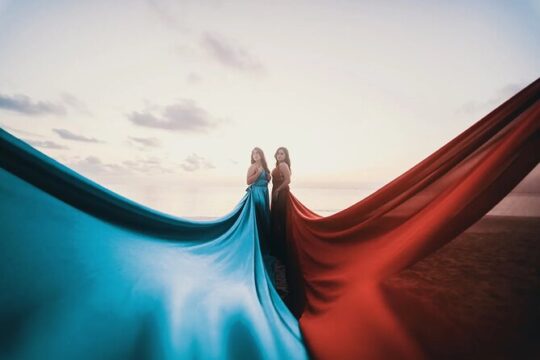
(478, 297)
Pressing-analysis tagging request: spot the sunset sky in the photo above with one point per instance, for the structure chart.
(147, 96)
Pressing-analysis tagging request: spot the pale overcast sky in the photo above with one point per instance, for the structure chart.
(138, 93)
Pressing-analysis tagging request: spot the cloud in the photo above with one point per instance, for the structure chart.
(45, 144)
(195, 162)
(150, 142)
(174, 14)
(227, 54)
(76, 104)
(68, 135)
(171, 13)
(25, 105)
(500, 96)
(183, 116)
(22, 132)
(93, 165)
(148, 166)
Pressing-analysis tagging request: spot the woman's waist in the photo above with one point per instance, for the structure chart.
(265, 184)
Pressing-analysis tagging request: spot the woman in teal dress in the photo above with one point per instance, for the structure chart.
(72, 252)
(258, 177)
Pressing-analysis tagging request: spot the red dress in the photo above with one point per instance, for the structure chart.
(278, 215)
(278, 245)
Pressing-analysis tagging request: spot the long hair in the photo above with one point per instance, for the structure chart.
(287, 158)
(263, 159)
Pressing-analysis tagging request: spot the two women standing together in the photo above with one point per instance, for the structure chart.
(271, 219)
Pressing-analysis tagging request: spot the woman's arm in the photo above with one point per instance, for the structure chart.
(252, 174)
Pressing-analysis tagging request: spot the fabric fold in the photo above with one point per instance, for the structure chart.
(87, 274)
(342, 259)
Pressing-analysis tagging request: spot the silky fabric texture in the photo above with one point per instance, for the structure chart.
(343, 259)
(279, 204)
(278, 246)
(87, 274)
(261, 199)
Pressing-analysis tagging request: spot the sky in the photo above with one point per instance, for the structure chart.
(152, 98)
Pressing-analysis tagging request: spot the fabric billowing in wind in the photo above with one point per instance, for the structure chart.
(342, 260)
(86, 273)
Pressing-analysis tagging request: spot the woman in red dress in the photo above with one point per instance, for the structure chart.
(281, 178)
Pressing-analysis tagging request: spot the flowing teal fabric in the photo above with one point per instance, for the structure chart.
(88, 274)
(261, 200)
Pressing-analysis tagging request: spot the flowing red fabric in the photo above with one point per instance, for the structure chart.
(340, 261)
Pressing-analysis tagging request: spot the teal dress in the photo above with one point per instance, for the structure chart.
(73, 253)
(261, 200)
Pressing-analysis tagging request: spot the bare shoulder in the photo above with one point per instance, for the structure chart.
(252, 168)
(283, 166)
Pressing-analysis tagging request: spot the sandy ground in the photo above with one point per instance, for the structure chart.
(478, 297)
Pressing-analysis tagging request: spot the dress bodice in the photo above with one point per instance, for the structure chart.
(277, 178)
(261, 180)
